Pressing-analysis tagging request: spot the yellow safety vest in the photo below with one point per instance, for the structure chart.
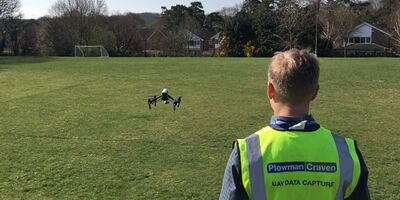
(287, 165)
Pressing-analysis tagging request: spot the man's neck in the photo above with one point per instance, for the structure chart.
(291, 111)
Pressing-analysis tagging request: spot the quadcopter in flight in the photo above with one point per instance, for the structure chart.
(166, 98)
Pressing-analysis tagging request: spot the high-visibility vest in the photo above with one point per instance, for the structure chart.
(289, 165)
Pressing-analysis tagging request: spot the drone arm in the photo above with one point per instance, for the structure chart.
(154, 99)
(157, 98)
(171, 98)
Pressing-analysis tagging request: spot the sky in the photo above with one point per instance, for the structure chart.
(38, 8)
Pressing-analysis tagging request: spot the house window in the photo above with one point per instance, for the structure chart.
(356, 40)
(363, 40)
(368, 40)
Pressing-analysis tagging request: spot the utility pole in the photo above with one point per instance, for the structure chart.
(316, 26)
(145, 47)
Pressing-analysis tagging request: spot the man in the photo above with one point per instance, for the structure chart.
(294, 157)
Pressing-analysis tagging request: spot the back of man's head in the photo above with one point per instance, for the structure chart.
(294, 75)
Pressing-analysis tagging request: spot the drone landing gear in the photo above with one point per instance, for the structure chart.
(166, 99)
(177, 103)
(152, 100)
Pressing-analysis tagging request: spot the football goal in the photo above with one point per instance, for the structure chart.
(90, 51)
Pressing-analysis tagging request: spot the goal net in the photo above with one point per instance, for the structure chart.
(90, 51)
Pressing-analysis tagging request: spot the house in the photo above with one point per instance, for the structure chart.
(202, 43)
(194, 44)
(214, 44)
(151, 41)
(368, 40)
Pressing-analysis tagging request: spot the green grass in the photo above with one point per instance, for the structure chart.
(73, 128)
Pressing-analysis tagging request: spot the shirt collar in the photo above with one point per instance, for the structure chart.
(283, 123)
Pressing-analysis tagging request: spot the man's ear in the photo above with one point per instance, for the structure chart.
(315, 94)
(270, 90)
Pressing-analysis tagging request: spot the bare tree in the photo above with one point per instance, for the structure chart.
(228, 12)
(125, 30)
(83, 8)
(346, 20)
(327, 20)
(376, 4)
(9, 8)
(80, 16)
(8, 11)
(175, 43)
(395, 22)
(77, 20)
(338, 20)
(291, 14)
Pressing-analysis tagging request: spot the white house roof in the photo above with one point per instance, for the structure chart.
(193, 36)
(216, 36)
(372, 26)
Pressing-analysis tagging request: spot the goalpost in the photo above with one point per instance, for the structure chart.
(90, 51)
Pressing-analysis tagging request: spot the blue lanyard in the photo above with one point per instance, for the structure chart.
(293, 124)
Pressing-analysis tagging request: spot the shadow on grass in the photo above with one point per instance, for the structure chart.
(6, 61)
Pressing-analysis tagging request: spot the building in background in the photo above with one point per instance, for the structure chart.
(152, 41)
(194, 45)
(214, 44)
(368, 40)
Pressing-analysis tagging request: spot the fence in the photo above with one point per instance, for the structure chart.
(359, 53)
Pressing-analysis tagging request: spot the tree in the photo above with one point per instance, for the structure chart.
(289, 24)
(9, 8)
(14, 28)
(172, 19)
(395, 23)
(346, 20)
(239, 30)
(29, 39)
(338, 19)
(271, 25)
(327, 20)
(214, 22)
(224, 46)
(196, 12)
(387, 8)
(248, 49)
(229, 12)
(181, 17)
(76, 22)
(125, 30)
(266, 24)
(173, 45)
(8, 12)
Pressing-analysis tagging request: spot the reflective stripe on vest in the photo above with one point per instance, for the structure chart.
(255, 166)
(346, 166)
(253, 171)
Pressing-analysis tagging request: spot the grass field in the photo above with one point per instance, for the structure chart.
(79, 128)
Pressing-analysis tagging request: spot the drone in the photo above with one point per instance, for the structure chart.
(166, 98)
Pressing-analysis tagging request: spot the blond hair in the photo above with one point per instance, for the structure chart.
(294, 75)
